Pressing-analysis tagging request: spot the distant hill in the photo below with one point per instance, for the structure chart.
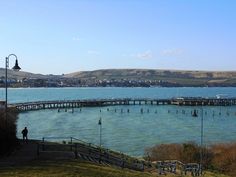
(150, 76)
(183, 78)
(21, 75)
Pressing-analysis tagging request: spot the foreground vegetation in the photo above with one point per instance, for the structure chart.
(8, 132)
(77, 168)
(219, 157)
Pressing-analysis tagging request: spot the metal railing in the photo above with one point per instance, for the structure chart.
(171, 166)
(91, 152)
(97, 154)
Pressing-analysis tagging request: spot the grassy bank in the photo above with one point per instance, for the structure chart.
(76, 168)
(69, 168)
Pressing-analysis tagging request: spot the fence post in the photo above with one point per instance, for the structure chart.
(71, 143)
(76, 151)
(100, 157)
(107, 154)
(200, 169)
(123, 160)
(38, 149)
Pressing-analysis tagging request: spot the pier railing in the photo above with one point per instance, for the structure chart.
(183, 101)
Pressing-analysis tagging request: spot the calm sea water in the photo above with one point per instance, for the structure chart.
(130, 132)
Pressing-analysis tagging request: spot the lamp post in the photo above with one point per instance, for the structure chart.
(100, 125)
(15, 68)
(100, 142)
(201, 153)
(195, 114)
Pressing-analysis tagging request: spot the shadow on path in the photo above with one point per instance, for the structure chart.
(23, 155)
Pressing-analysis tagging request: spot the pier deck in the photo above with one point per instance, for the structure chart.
(185, 101)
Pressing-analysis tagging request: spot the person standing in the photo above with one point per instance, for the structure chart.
(25, 134)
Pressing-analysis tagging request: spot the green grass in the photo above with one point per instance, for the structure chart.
(68, 169)
(75, 168)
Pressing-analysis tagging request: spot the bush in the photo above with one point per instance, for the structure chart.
(190, 153)
(164, 152)
(8, 132)
(224, 158)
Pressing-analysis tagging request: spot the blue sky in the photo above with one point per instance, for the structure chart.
(63, 36)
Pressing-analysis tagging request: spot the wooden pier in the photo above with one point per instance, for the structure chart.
(199, 101)
(62, 104)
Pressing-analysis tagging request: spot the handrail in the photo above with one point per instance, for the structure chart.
(171, 166)
(90, 151)
(56, 137)
(100, 153)
(104, 149)
(86, 143)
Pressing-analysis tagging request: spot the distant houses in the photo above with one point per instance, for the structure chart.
(75, 82)
(122, 78)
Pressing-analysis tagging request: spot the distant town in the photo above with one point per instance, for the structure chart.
(121, 78)
(75, 82)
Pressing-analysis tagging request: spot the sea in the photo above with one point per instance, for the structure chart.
(125, 128)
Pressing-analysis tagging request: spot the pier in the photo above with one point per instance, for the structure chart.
(62, 104)
(199, 101)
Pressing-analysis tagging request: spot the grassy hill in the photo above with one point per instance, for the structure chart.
(152, 74)
(184, 78)
(23, 74)
(170, 77)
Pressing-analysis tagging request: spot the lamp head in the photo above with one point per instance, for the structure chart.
(16, 67)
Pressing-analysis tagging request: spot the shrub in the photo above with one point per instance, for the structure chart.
(190, 153)
(164, 152)
(224, 158)
(8, 132)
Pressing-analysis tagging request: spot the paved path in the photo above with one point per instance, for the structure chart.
(26, 153)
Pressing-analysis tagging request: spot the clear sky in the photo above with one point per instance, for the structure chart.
(63, 36)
